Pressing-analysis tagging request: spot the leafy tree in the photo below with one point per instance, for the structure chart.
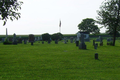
(112, 34)
(46, 37)
(9, 10)
(109, 16)
(88, 25)
(57, 36)
(60, 36)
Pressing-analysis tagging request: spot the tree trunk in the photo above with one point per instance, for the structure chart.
(116, 25)
(114, 35)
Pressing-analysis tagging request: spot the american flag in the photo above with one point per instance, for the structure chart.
(60, 24)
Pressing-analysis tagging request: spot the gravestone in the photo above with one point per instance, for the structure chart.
(74, 40)
(100, 38)
(41, 38)
(71, 39)
(56, 41)
(49, 41)
(95, 46)
(3, 39)
(96, 55)
(31, 38)
(14, 39)
(109, 40)
(86, 36)
(42, 42)
(77, 43)
(97, 40)
(78, 38)
(65, 40)
(101, 41)
(25, 41)
(82, 44)
(36, 39)
(19, 36)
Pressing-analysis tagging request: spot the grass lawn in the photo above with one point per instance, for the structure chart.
(59, 62)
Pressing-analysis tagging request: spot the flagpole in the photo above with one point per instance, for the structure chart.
(59, 30)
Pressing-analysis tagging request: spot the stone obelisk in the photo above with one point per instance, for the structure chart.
(6, 33)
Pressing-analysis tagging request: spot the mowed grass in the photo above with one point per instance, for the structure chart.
(59, 62)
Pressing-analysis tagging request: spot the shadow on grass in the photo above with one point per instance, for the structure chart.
(99, 60)
(83, 49)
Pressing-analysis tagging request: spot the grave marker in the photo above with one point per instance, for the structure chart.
(56, 41)
(96, 55)
(82, 44)
(25, 41)
(42, 42)
(31, 38)
(71, 39)
(14, 39)
(65, 40)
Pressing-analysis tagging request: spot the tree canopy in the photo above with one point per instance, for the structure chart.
(88, 25)
(108, 15)
(9, 10)
(46, 36)
(57, 36)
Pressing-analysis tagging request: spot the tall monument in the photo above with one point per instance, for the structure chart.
(6, 33)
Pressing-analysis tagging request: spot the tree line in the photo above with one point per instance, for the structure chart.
(108, 16)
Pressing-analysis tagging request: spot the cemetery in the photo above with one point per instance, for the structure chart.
(36, 59)
(88, 54)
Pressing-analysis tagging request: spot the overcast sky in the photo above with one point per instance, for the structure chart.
(43, 16)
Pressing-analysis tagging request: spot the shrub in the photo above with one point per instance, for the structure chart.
(7, 42)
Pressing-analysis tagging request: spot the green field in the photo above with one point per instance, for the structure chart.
(59, 62)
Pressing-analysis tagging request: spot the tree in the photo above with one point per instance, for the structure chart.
(109, 16)
(111, 32)
(88, 25)
(9, 10)
(46, 36)
(57, 36)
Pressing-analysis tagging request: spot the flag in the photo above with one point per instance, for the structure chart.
(60, 24)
